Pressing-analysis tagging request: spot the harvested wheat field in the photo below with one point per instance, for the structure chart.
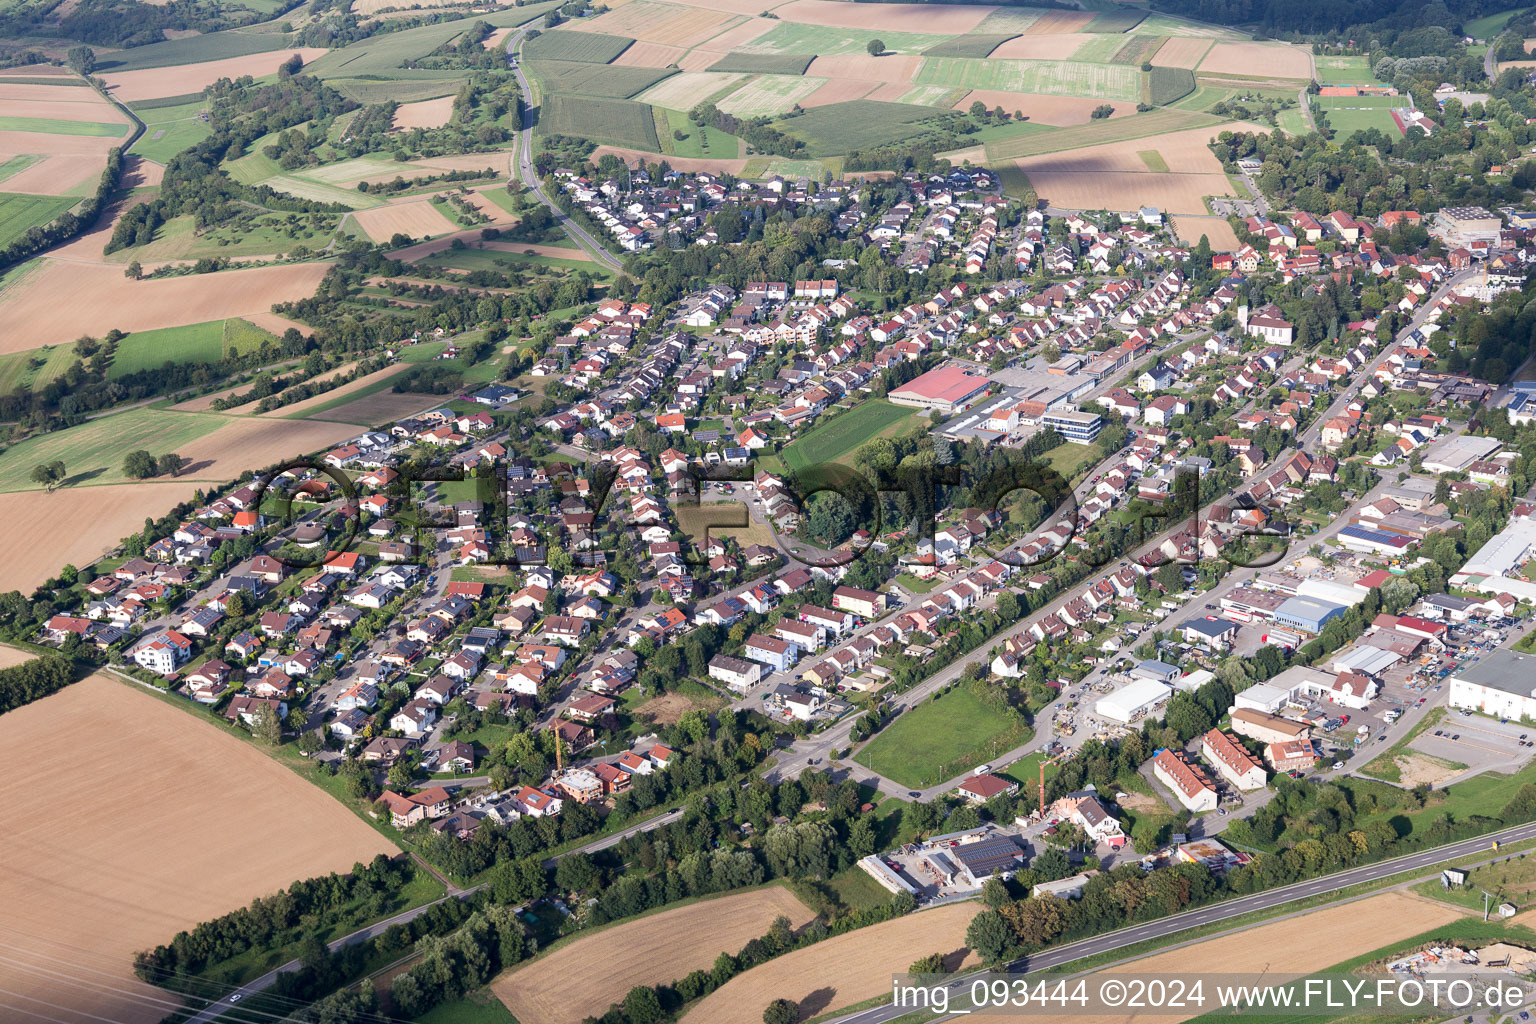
(46, 300)
(22, 99)
(69, 161)
(35, 71)
(1057, 23)
(1258, 60)
(541, 992)
(95, 880)
(152, 83)
(840, 90)
(1116, 177)
(272, 323)
(256, 442)
(496, 38)
(1293, 947)
(10, 656)
(891, 68)
(840, 971)
(740, 35)
(1215, 229)
(1061, 111)
(932, 19)
(687, 90)
(417, 218)
(1181, 52)
(497, 216)
(75, 525)
(1033, 47)
(651, 22)
(733, 6)
(648, 55)
(424, 113)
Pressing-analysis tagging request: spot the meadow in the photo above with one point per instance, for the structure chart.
(207, 342)
(1048, 77)
(788, 37)
(588, 47)
(93, 451)
(169, 129)
(843, 435)
(559, 79)
(618, 121)
(940, 739)
(859, 124)
(52, 126)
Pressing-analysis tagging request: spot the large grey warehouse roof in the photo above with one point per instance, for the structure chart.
(1503, 670)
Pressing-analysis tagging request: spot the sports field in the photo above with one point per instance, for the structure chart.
(940, 739)
(102, 875)
(842, 436)
(1344, 71)
(540, 992)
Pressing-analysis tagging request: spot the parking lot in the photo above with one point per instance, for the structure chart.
(1479, 742)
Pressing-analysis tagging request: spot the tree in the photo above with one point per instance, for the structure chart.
(171, 464)
(139, 465)
(269, 726)
(994, 893)
(876, 47)
(781, 1011)
(81, 60)
(641, 1005)
(134, 271)
(49, 474)
(988, 935)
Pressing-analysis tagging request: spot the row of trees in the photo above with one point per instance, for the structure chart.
(33, 680)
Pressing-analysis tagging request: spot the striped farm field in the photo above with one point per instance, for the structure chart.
(55, 126)
(620, 122)
(591, 47)
(18, 213)
(1182, 52)
(653, 22)
(767, 95)
(1098, 133)
(1050, 77)
(790, 38)
(684, 91)
(1258, 60)
(975, 44)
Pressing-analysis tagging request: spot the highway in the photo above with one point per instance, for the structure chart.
(530, 178)
(1170, 926)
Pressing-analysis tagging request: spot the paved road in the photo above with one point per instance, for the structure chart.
(1226, 910)
(530, 178)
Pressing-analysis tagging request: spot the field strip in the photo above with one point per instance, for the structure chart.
(1121, 129)
(95, 880)
(540, 992)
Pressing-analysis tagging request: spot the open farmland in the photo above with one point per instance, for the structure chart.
(1257, 60)
(1117, 177)
(830, 131)
(933, 19)
(767, 95)
(1060, 22)
(540, 992)
(840, 971)
(653, 22)
(194, 785)
(1052, 110)
(1097, 133)
(152, 83)
(424, 113)
(146, 350)
(1182, 52)
(561, 79)
(686, 90)
(649, 55)
(976, 44)
(382, 406)
(1050, 77)
(787, 37)
(170, 129)
(418, 218)
(590, 47)
(190, 50)
(1215, 229)
(20, 213)
(44, 299)
(890, 68)
(620, 122)
(764, 63)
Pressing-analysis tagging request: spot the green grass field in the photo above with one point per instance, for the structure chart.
(564, 78)
(369, 91)
(587, 47)
(146, 350)
(843, 435)
(1120, 129)
(93, 452)
(193, 49)
(1363, 102)
(620, 122)
(17, 164)
(476, 1008)
(696, 142)
(19, 213)
(51, 126)
(34, 368)
(973, 44)
(764, 63)
(163, 139)
(1100, 49)
(1048, 77)
(842, 127)
(1119, 20)
(940, 739)
(1154, 160)
(1347, 122)
(790, 37)
(1344, 71)
(1013, 20)
(1490, 25)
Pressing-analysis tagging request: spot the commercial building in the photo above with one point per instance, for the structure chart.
(1186, 779)
(1159, 671)
(881, 872)
(1266, 697)
(1133, 701)
(1455, 454)
(1458, 225)
(1267, 728)
(1346, 594)
(946, 389)
(1210, 632)
(1503, 683)
(978, 789)
(1074, 425)
(1366, 541)
(1069, 888)
(984, 858)
(1307, 614)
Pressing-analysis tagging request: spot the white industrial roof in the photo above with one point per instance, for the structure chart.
(1504, 551)
(1132, 699)
(1346, 594)
(1370, 660)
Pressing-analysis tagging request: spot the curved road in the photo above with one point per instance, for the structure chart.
(1170, 926)
(525, 171)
